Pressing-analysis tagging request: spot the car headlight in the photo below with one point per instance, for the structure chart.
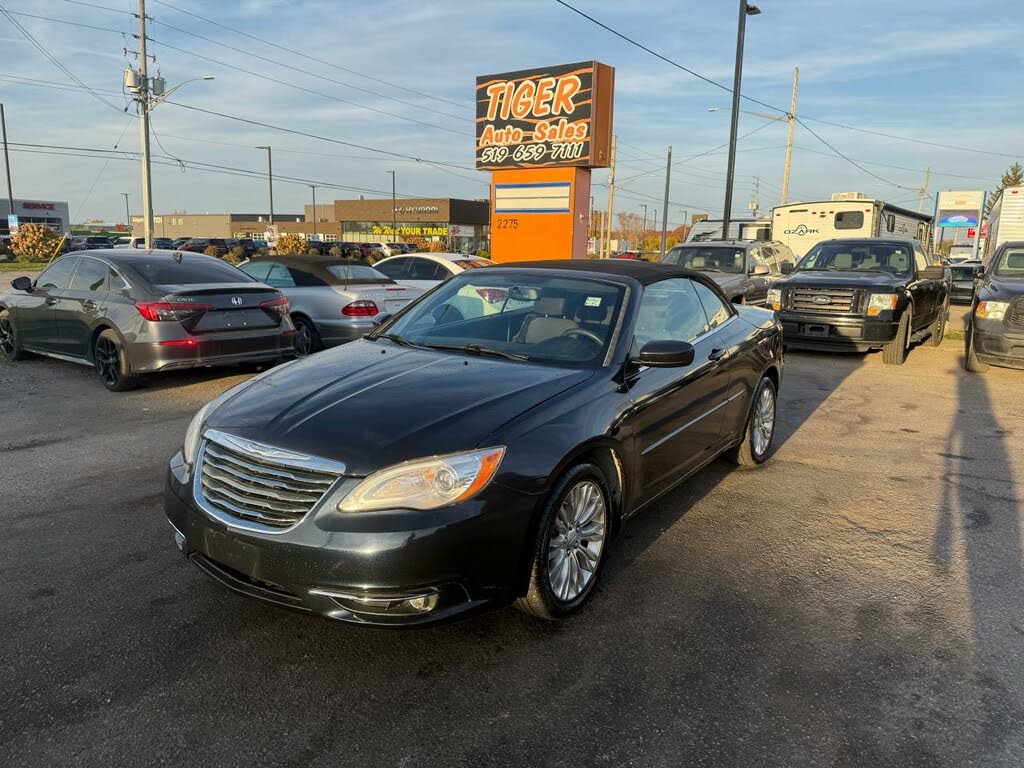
(992, 310)
(882, 302)
(775, 298)
(425, 483)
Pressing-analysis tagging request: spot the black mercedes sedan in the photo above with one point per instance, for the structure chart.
(131, 313)
(995, 329)
(484, 445)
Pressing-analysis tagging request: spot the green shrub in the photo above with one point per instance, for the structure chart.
(290, 245)
(212, 250)
(235, 256)
(483, 254)
(34, 242)
(335, 252)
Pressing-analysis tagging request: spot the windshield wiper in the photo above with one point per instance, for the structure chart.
(706, 269)
(476, 349)
(395, 338)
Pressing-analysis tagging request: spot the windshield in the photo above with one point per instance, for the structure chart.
(357, 273)
(705, 258)
(1010, 263)
(864, 256)
(525, 315)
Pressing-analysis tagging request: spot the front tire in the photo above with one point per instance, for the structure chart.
(939, 325)
(571, 542)
(10, 344)
(895, 352)
(112, 364)
(971, 361)
(760, 430)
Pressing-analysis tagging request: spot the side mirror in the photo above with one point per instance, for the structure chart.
(379, 320)
(979, 271)
(786, 267)
(22, 284)
(666, 354)
(759, 270)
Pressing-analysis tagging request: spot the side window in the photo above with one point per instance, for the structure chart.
(715, 309)
(757, 257)
(890, 222)
(850, 220)
(279, 277)
(91, 275)
(670, 309)
(426, 269)
(58, 275)
(304, 279)
(395, 269)
(771, 257)
(115, 282)
(258, 270)
(920, 258)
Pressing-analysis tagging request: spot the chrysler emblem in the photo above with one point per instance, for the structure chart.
(236, 300)
(822, 299)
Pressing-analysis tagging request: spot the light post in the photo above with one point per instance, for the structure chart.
(7, 162)
(313, 187)
(394, 209)
(741, 27)
(643, 230)
(270, 180)
(127, 213)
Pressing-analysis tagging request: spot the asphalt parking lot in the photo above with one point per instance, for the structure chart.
(856, 602)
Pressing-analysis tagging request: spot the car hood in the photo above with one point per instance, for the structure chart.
(726, 280)
(1005, 288)
(373, 404)
(840, 279)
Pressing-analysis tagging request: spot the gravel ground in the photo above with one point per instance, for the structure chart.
(856, 602)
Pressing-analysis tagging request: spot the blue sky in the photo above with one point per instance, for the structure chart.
(947, 72)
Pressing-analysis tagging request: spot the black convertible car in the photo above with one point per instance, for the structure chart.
(482, 446)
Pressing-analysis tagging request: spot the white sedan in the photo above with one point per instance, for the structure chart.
(425, 270)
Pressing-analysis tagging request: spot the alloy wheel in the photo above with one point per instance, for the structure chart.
(764, 421)
(303, 339)
(108, 361)
(7, 343)
(577, 541)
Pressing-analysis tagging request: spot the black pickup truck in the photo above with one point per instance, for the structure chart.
(862, 294)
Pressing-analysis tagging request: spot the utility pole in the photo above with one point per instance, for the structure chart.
(7, 162)
(270, 180)
(313, 187)
(611, 198)
(737, 79)
(664, 209)
(394, 208)
(789, 141)
(127, 212)
(643, 231)
(755, 201)
(923, 193)
(143, 97)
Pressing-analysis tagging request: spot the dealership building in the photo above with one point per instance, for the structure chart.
(53, 213)
(464, 225)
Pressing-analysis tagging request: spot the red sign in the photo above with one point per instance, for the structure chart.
(37, 206)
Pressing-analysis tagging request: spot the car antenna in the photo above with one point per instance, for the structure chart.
(177, 256)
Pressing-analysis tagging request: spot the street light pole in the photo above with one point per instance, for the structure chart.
(313, 187)
(147, 181)
(643, 231)
(127, 213)
(7, 162)
(394, 208)
(737, 79)
(270, 180)
(664, 210)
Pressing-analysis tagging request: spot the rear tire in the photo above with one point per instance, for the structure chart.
(971, 361)
(760, 429)
(112, 363)
(10, 344)
(307, 340)
(895, 352)
(939, 326)
(571, 543)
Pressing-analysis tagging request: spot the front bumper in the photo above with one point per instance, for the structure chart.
(854, 333)
(347, 567)
(335, 332)
(212, 349)
(996, 343)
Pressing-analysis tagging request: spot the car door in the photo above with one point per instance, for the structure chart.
(36, 316)
(757, 285)
(677, 413)
(79, 306)
(923, 289)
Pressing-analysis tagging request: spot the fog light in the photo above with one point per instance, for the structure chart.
(382, 606)
(423, 603)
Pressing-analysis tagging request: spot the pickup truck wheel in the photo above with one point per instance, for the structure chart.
(895, 352)
(757, 438)
(939, 326)
(971, 361)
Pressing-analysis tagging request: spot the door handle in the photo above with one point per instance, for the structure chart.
(51, 302)
(89, 304)
(717, 354)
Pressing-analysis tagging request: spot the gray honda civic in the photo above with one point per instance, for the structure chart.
(133, 313)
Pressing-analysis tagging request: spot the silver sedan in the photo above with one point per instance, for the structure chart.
(333, 301)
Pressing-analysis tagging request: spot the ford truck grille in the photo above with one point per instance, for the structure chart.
(842, 301)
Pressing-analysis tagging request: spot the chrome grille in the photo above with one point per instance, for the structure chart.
(276, 491)
(1015, 314)
(824, 300)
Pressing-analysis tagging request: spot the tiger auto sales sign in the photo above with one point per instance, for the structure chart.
(545, 118)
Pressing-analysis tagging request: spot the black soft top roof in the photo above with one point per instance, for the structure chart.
(644, 272)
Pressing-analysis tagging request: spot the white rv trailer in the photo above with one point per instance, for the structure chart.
(847, 214)
(1005, 219)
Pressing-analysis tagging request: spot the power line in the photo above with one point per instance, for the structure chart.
(899, 167)
(850, 160)
(307, 56)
